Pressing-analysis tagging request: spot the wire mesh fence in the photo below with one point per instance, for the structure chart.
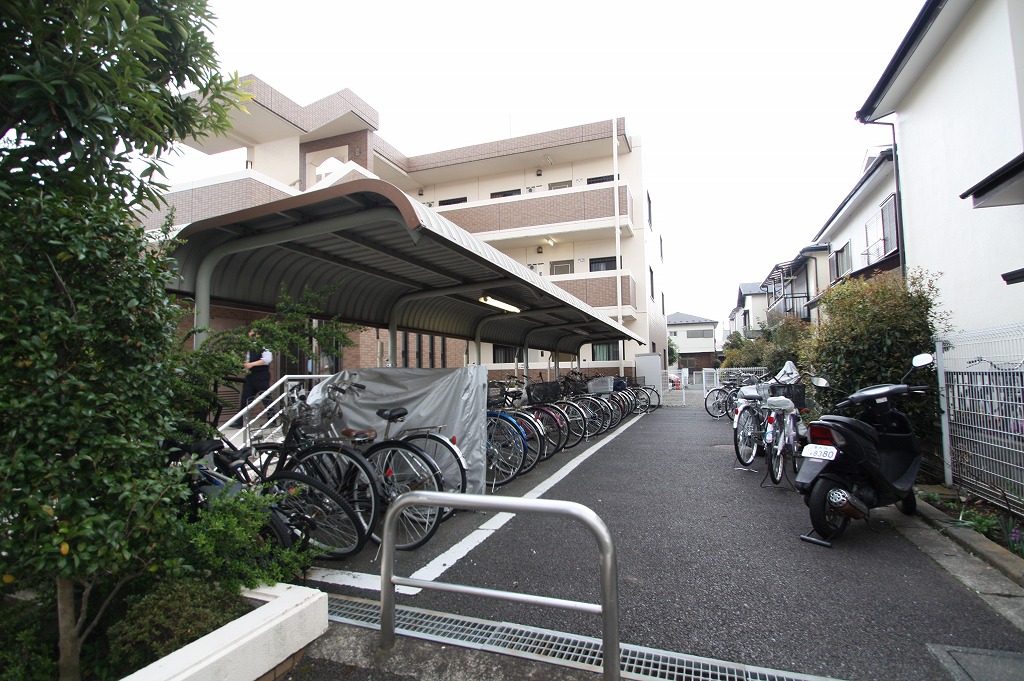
(982, 376)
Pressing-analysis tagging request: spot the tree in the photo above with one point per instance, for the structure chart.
(870, 331)
(778, 343)
(85, 324)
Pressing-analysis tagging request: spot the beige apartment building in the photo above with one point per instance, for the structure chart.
(569, 204)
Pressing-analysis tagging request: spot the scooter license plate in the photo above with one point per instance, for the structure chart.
(819, 452)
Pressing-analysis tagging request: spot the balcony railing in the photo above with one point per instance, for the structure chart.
(790, 304)
(542, 208)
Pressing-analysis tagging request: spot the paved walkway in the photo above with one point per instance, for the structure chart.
(351, 653)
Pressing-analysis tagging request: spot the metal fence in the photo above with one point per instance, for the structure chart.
(982, 376)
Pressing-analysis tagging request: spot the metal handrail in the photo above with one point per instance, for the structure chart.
(272, 411)
(608, 608)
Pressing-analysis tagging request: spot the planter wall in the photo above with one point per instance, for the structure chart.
(248, 648)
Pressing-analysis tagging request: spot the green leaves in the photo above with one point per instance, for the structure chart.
(870, 330)
(86, 326)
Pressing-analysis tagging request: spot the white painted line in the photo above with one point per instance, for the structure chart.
(435, 568)
(358, 580)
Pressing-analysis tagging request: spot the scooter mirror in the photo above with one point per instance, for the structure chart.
(819, 381)
(923, 360)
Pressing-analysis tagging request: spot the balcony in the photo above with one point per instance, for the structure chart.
(582, 214)
(789, 304)
(597, 289)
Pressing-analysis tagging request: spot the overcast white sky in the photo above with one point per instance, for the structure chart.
(745, 108)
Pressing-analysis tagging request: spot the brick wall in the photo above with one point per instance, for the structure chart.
(192, 205)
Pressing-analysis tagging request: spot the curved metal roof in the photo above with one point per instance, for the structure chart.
(395, 264)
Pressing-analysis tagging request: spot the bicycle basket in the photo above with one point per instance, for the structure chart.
(543, 392)
(495, 393)
(794, 391)
(296, 414)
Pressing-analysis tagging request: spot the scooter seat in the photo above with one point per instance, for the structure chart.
(862, 429)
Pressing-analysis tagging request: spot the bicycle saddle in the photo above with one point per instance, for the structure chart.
(395, 414)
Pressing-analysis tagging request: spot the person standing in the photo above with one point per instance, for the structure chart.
(257, 377)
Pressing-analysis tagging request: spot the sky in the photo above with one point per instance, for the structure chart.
(744, 108)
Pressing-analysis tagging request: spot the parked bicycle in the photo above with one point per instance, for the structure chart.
(305, 512)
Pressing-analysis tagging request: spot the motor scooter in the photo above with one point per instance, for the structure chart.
(852, 465)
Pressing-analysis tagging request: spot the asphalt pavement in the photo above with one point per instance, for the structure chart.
(709, 565)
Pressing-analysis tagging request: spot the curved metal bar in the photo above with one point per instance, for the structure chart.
(609, 607)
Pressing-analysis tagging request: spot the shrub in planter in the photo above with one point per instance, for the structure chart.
(171, 616)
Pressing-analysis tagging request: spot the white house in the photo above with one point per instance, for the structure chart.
(954, 93)
(750, 312)
(695, 340)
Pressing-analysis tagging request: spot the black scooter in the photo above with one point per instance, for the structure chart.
(852, 465)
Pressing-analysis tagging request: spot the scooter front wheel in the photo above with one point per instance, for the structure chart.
(827, 520)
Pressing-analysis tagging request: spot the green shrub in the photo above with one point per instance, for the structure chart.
(171, 616)
(230, 542)
(28, 641)
(870, 330)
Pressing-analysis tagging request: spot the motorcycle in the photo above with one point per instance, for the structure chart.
(852, 465)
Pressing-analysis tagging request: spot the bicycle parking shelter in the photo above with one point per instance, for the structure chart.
(394, 263)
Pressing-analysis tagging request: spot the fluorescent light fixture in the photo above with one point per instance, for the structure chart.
(550, 241)
(501, 305)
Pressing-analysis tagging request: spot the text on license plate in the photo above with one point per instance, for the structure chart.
(819, 452)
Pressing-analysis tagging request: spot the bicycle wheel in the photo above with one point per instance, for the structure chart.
(653, 397)
(320, 516)
(747, 435)
(403, 467)
(449, 461)
(716, 402)
(776, 450)
(536, 442)
(643, 401)
(555, 427)
(592, 417)
(602, 414)
(348, 473)
(505, 450)
(576, 422)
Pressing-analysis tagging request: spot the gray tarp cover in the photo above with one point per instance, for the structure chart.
(453, 398)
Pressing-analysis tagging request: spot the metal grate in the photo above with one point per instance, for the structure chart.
(567, 650)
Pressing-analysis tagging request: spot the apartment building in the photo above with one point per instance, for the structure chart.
(568, 203)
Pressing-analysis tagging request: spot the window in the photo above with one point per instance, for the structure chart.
(605, 352)
(889, 224)
(561, 267)
(650, 222)
(602, 264)
(840, 263)
(452, 202)
(507, 192)
(673, 333)
(701, 333)
(652, 282)
(506, 354)
(599, 180)
(565, 184)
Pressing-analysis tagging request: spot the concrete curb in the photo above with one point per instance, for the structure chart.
(975, 543)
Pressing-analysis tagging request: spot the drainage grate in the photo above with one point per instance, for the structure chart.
(567, 650)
